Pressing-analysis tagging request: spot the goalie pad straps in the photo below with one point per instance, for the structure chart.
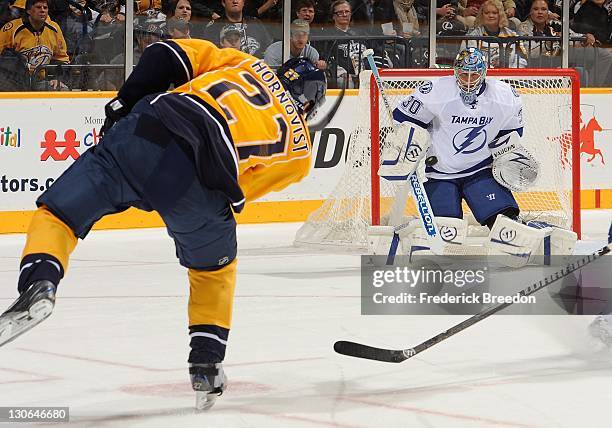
(513, 166)
(401, 158)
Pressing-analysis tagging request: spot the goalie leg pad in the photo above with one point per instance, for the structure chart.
(413, 239)
(514, 242)
(453, 231)
(560, 242)
(379, 239)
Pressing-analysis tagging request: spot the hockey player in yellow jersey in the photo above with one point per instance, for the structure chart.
(231, 131)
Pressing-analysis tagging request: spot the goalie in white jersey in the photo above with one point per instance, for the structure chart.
(475, 125)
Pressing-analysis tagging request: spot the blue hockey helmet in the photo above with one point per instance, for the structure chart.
(470, 70)
(305, 82)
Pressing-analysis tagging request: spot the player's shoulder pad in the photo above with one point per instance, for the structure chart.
(504, 92)
(435, 89)
(425, 87)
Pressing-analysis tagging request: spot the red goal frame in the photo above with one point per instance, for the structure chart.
(437, 72)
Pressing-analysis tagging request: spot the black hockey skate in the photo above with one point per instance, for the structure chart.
(31, 308)
(208, 381)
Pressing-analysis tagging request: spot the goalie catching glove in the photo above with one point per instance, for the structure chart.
(513, 166)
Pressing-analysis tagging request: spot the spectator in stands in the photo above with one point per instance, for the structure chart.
(597, 61)
(39, 40)
(447, 11)
(202, 11)
(469, 9)
(298, 47)
(108, 36)
(523, 6)
(270, 10)
(110, 11)
(146, 32)
(342, 55)
(177, 28)
(448, 22)
(593, 18)
(254, 36)
(305, 10)
(492, 21)
(230, 36)
(537, 24)
(322, 13)
(79, 23)
(407, 17)
(180, 9)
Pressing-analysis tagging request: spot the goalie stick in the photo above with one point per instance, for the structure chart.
(353, 349)
(412, 182)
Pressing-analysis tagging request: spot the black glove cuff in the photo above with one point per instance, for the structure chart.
(115, 109)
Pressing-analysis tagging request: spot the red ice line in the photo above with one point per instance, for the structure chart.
(38, 378)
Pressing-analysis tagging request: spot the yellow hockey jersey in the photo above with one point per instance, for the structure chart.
(38, 47)
(244, 128)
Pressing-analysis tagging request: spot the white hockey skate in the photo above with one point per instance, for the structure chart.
(31, 308)
(601, 328)
(208, 381)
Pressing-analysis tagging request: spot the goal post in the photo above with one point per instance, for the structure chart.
(551, 112)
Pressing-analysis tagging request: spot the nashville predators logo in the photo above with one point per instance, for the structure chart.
(37, 56)
(291, 75)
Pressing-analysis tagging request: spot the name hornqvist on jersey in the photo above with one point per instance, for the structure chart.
(299, 141)
(469, 120)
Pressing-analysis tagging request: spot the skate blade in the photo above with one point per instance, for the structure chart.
(204, 401)
(14, 324)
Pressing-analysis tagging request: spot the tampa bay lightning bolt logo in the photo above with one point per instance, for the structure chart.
(470, 140)
(426, 87)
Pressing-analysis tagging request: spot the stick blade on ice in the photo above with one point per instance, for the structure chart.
(359, 350)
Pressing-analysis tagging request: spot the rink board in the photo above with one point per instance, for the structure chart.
(42, 134)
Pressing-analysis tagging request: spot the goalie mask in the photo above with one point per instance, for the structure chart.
(305, 83)
(470, 71)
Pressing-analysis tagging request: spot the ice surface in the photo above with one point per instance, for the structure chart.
(115, 348)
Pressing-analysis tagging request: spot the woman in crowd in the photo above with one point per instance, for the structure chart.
(492, 21)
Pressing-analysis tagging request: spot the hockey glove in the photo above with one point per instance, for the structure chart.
(115, 109)
(514, 167)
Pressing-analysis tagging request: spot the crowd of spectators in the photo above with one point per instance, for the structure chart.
(79, 44)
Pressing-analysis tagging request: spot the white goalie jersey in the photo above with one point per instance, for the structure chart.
(462, 136)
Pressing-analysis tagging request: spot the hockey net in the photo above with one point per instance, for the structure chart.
(551, 112)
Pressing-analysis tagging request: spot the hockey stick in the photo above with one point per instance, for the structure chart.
(411, 182)
(321, 124)
(359, 350)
